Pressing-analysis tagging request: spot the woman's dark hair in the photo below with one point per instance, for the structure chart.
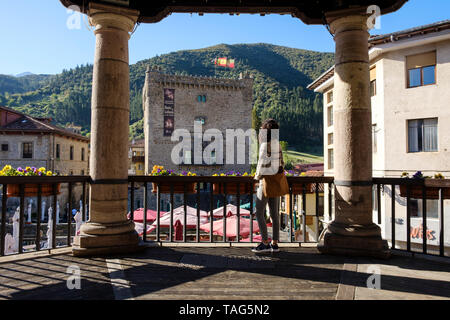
(269, 124)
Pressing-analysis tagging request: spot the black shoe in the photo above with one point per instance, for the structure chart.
(275, 248)
(262, 248)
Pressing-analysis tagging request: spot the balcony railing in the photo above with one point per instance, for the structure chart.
(137, 159)
(18, 235)
(411, 212)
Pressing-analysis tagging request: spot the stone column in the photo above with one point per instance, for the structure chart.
(108, 230)
(352, 232)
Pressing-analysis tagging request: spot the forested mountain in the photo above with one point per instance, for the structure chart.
(281, 75)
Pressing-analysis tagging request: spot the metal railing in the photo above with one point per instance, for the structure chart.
(400, 205)
(412, 190)
(17, 189)
(217, 189)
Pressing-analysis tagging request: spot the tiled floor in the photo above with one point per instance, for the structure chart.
(210, 273)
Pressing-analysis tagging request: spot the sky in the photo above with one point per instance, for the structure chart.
(35, 36)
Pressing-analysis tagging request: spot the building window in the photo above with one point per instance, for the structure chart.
(199, 120)
(373, 88)
(330, 139)
(330, 116)
(58, 151)
(5, 147)
(82, 154)
(27, 150)
(423, 135)
(421, 69)
(201, 98)
(330, 97)
(71, 172)
(373, 81)
(71, 152)
(330, 159)
(82, 172)
(374, 138)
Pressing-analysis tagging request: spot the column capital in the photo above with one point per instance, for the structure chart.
(347, 22)
(111, 17)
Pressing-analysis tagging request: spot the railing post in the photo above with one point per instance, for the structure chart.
(424, 219)
(393, 216)
(238, 212)
(408, 218)
(38, 218)
(317, 213)
(171, 214)
(144, 235)
(197, 235)
(185, 211)
(304, 212)
(69, 216)
(158, 209)
(225, 204)
(441, 221)
(211, 207)
(3, 225)
(132, 201)
(21, 218)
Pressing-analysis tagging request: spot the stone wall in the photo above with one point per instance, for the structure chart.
(228, 106)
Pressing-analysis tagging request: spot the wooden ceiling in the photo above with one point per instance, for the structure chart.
(309, 11)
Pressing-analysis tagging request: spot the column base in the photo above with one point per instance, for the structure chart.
(100, 245)
(337, 244)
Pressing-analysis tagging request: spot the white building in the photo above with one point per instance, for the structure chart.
(410, 89)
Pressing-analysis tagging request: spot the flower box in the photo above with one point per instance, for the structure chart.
(232, 188)
(297, 188)
(31, 190)
(431, 193)
(178, 187)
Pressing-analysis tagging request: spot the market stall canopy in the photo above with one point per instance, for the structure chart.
(231, 210)
(138, 215)
(310, 12)
(178, 215)
(231, 226)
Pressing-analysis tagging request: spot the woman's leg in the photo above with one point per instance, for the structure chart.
(260, 208)
(274, 209)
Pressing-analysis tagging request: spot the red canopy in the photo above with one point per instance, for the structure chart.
(231, 210)
(151, 215)
(244, 229)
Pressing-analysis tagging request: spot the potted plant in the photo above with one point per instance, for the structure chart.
(178, 187)
(30, 189)
(232, 187)
(297, 187)
(416, 192)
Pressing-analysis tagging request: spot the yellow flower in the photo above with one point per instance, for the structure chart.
(49, 173)
(41, 169)
(28, 169)
(215, 175)
(245, 174)
(222, 174)
(7, 167)
(303, 174)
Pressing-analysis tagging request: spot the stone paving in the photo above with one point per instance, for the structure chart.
(210, 273)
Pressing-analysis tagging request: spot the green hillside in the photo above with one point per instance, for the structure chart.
(281, 75)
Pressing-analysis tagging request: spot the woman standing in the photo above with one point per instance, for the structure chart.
(268, 164)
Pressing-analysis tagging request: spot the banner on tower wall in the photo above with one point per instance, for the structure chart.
(169, 112)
